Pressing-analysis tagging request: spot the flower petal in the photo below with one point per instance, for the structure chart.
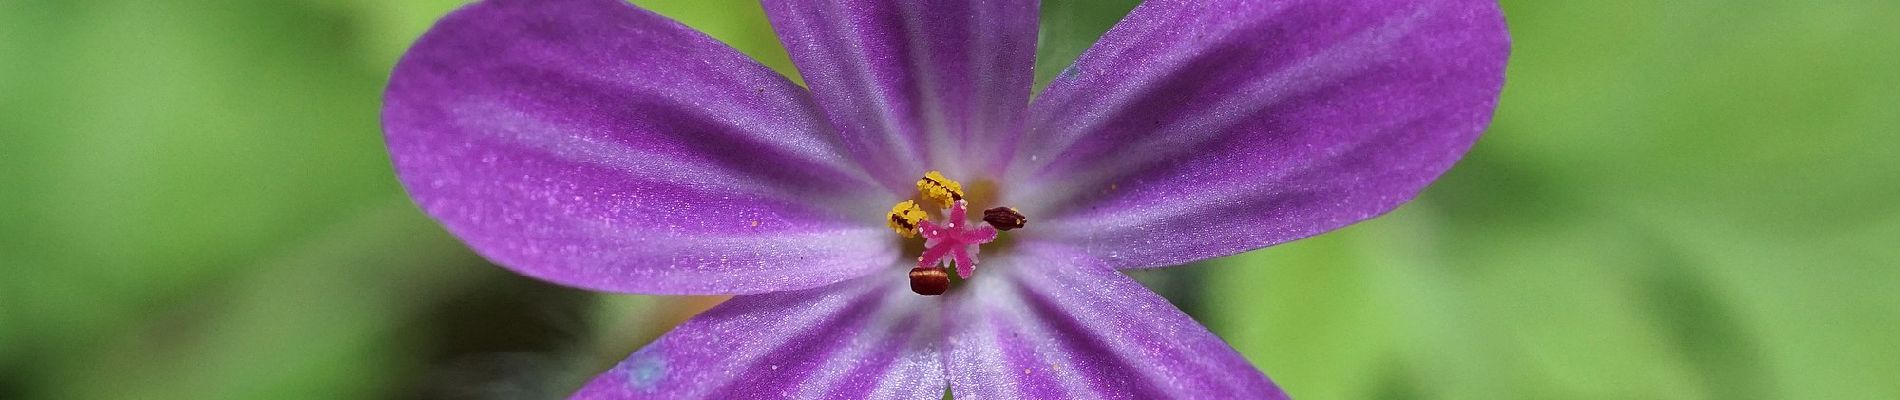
(1198, 129)
(1032, 326)
(598, 145)
(916, 85)
(866, 338)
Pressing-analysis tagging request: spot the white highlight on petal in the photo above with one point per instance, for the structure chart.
(897, 309)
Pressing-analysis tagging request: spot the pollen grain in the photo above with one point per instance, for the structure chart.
(937, 187)
(904, 218)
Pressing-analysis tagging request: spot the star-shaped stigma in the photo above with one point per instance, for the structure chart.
(954, 240)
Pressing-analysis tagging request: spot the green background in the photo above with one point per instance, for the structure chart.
(1678, 200)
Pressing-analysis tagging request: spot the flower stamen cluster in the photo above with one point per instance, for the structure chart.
(953, 242)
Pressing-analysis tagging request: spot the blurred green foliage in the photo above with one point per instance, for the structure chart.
(1678, 200)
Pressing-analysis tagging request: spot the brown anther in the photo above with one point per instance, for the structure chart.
(899, 222)
(1004, 218)
(929, 281)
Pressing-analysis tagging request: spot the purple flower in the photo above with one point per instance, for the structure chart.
(598, 145)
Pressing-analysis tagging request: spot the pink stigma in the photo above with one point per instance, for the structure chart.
(957, 239)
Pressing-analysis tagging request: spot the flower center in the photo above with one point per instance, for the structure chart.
(954, 241)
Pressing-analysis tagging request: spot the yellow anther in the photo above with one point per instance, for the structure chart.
(904, 217)
(943, 190)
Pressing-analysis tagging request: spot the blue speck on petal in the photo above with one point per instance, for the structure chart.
(644, 371)
(1069, 73)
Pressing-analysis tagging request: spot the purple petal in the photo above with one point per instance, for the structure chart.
(1199, 129)
(916, 85)
(866, 338)
(1038, 327)
(597, 145)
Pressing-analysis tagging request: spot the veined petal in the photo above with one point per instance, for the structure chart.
(911, 85)
(869, 338)
(1197, 129)
(598, 145)
(1043, 325)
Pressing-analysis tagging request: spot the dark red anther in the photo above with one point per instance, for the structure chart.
(929, 281)
(1004, 218)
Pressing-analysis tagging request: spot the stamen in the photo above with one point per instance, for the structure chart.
(1004, 218)
(936, 187)
(929, 281)
(904, 217)
(952, 243)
